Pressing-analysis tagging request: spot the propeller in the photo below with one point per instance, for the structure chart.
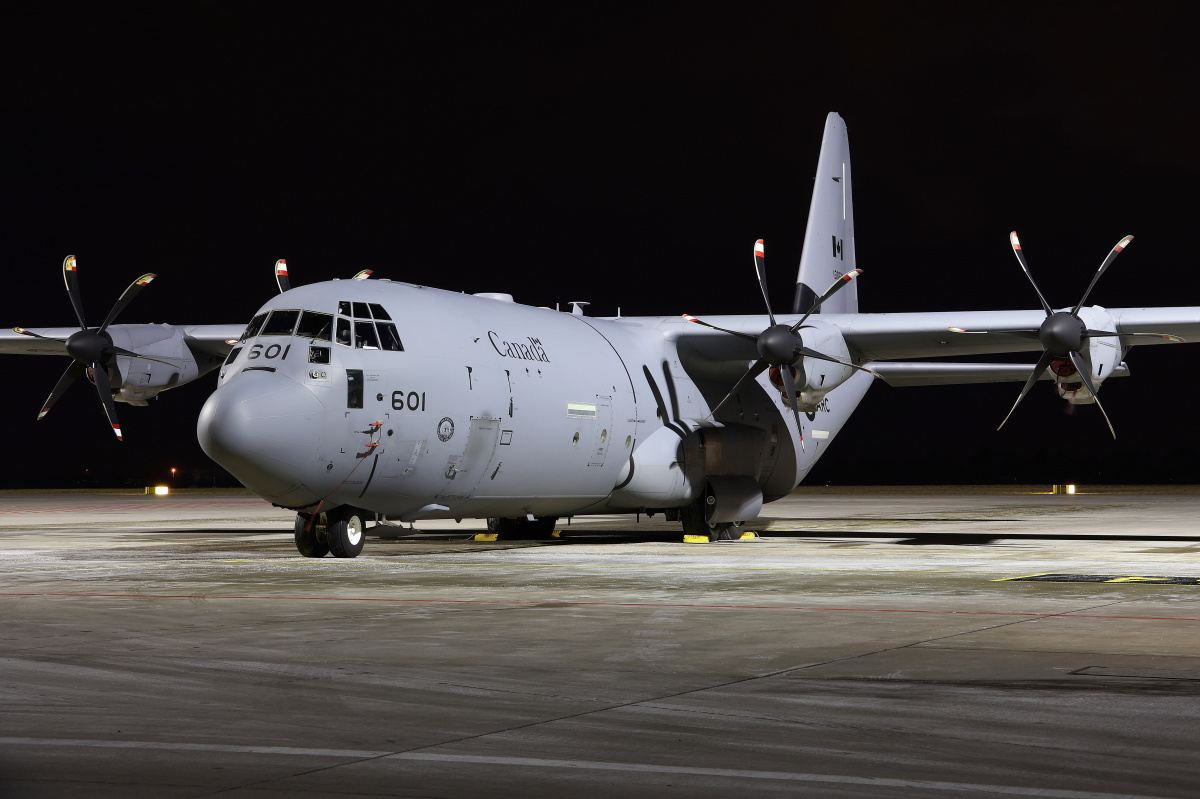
(1063, 333)
(779, 345)
(92, 350)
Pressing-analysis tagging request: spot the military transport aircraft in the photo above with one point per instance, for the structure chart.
(353, 400)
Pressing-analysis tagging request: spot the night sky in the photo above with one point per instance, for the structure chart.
(627, 159)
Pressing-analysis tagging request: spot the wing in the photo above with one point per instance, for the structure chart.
(214, 340)
(904, 336)
(14, 343)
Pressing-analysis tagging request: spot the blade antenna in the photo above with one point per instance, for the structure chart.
(1016, 247)
(1112, 256)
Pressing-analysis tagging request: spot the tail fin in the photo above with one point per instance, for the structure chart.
(829, 240)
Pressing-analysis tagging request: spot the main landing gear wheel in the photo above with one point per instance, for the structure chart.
(522, 529)
(345, 533)
(311, 542)
(694, 523)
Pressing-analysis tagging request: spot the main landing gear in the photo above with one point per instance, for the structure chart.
(341, 531)
(695, 523)
(522, 529)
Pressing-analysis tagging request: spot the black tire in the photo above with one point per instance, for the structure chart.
(522, 529)
(694, 523)
(310, 543)
(345, 535)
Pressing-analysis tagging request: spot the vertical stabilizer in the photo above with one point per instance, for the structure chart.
(829, 239)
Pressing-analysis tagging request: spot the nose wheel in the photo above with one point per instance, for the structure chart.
(340, 532)
(310, 541)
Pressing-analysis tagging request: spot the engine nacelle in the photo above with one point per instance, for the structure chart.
(142, 379)
(815, 377)
(1101, 353)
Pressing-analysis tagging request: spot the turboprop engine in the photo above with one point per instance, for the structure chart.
(816, 377)
(142, 378)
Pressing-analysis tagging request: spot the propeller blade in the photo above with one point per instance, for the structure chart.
(1083, 370)
(760, 269)
(746, 336)
(1171, 337)
(68, 377)
(1027, 333)
(125, 298)
(811, 353)
(1112, 256)
(1016, 246)
(756, 369)
(72, 281)
(363, 275)
(31, 334)
(115, 350)
(100, 374)
(1041, 366)
(837, 286)
(789, 385)
(281, 276)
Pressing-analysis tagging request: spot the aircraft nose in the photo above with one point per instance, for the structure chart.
(265, 430)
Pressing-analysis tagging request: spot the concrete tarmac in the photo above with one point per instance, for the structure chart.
(869, 645)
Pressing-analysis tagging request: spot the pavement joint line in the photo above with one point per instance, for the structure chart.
(1074, 614)
(359, 756)
(925, 641)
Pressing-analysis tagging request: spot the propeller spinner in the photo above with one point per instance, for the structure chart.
(92, 350)
(780, 346)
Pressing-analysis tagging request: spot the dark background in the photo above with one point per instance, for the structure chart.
(625, 158)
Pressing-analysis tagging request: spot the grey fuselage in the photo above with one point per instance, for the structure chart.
(492, 409)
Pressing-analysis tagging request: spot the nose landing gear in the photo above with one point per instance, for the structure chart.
(340, 531)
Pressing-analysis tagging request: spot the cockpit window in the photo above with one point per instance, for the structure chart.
(364, 335)
(388, 338)
(344, 308)
(378, 312)
(281, 323)
(360, 311)
(315, 325)
(252, 328)
(236, 351)
(343, 331)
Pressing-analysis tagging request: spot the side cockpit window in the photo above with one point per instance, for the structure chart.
(364, 334)
(343, 331)
(316, 326)
(372, 325)
(253, 327)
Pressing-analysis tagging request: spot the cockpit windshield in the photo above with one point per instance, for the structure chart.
(252, 328)
(313, 325)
